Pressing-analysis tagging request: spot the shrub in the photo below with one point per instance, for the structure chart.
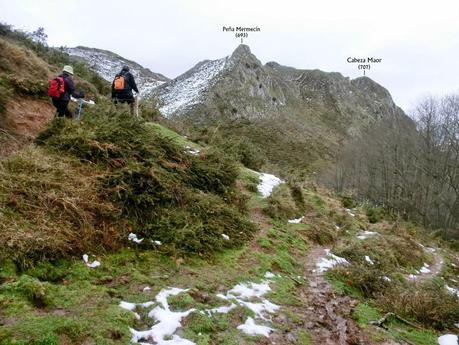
(429, 303)
(187, 202)
(281, 204)
(347, 200)
(374, 213)
(366, 279)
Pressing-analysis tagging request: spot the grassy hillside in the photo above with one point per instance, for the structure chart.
(84, 186)
(103, 215)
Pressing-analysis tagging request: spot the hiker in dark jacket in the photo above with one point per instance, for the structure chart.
(61, 103)
(124, 94)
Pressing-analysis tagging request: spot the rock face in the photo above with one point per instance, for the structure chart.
(108, 64)
(240, 86)
(311, 111)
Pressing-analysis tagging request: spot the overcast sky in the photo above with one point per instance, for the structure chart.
(417, 40)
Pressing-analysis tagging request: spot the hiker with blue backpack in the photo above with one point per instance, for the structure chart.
(61, 89)
(122, 87)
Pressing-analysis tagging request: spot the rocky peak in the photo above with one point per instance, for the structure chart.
(240, 51)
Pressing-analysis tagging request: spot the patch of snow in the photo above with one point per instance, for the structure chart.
(167, 321)
(330, 261)
(366, 234)
(412, 276)
(93, 264)
(146, 289)
(127, 305)
(269, 275)
(158, 243)
(267, 184)
(387, 279)
(368, 259)
(188, 89)
(251, 328)
(225, 237)
(425, 269)
(350, 212)
(337, 227)
(296, 221)
(448, 339)
(221, 310)
(452, 291)
(133, 237)
(192, 151)
(430, 250)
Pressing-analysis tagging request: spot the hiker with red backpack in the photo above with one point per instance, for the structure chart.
(122, 87)
(60, 89)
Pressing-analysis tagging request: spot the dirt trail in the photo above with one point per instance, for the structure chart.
(328, 317)
(434, 268)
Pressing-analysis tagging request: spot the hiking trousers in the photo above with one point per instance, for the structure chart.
(62, 107)
(129, 101)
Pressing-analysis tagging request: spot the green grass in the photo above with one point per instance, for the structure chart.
(171, 135)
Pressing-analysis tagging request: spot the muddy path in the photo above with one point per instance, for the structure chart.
(326, 317)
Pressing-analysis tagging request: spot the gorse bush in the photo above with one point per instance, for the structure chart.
(429, 303)
(185, 201)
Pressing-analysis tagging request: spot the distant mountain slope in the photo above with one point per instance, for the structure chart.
(107, 64)
(310, 110)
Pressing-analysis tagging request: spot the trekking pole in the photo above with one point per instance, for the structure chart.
(79, 109)
(137, 105)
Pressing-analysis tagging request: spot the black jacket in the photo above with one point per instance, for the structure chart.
(129, 85)
(69, 88)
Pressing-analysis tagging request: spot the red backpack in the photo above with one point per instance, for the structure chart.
(56, 87)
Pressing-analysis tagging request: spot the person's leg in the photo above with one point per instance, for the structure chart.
(131, 106)
(65, 109)
(57, 105)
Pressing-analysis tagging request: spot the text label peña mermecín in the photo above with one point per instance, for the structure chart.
(240, 28)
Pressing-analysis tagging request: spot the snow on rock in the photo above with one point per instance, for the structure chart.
(330, 261)
(366, 234)
(133, 237)
(187, 89)
(93, 264)
(249, 327)
(296, 221)
(448, 339)
(267, 184)
(368, 259)
(107, 65)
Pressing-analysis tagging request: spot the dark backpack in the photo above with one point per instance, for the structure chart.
(56, 87)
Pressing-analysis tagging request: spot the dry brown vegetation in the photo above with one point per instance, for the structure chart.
(49, 208)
